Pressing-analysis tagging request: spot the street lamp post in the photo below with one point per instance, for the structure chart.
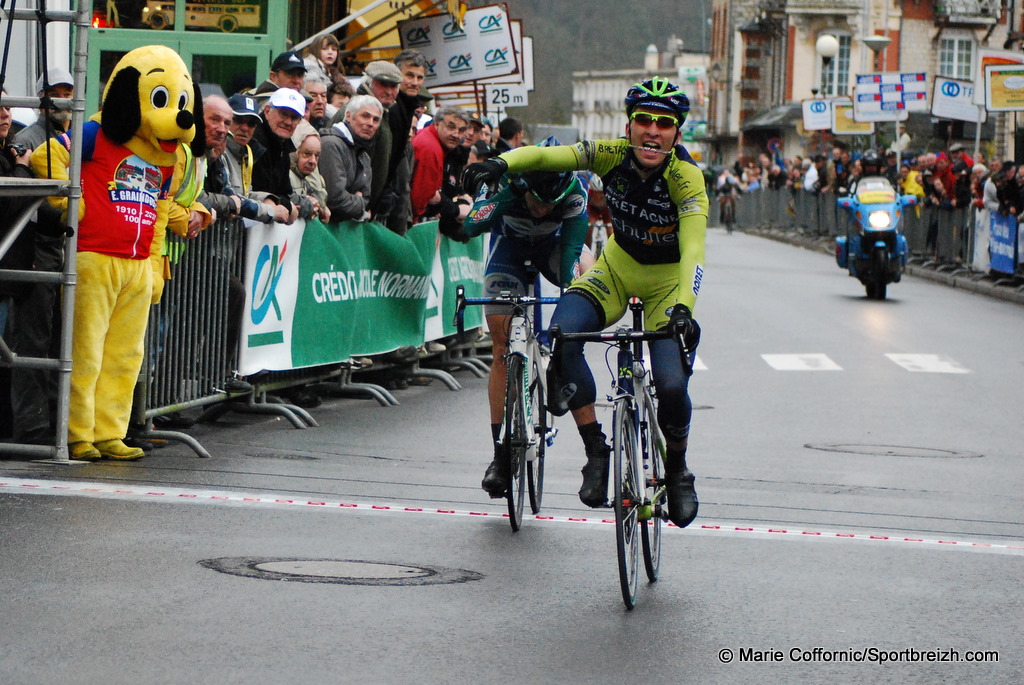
(827, 47)
(878, 43)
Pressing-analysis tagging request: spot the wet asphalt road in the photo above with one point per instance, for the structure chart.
(867, 505)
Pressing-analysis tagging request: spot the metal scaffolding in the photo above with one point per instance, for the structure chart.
(79, 19)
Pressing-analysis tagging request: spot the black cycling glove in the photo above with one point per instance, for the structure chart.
(478, 173)
(681, 319)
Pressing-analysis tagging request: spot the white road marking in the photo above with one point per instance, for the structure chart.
(145, 493)
(801, 362)
(927, 363)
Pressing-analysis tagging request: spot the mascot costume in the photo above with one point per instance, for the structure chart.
(150, 108)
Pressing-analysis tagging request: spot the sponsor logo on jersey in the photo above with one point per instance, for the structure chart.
(698, 275)
(482, 213)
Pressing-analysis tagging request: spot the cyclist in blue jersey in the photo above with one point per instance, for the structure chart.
(659, 207)
(540, 218)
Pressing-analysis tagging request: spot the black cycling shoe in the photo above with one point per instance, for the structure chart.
(495, 482)
(682, 497)
(594, 492)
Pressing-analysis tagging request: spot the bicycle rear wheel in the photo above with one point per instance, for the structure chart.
(514, 439)
(652, 446)
(629, 494)
(539, 421)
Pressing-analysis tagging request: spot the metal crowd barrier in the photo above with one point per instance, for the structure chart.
(819, 215)
(190, 356)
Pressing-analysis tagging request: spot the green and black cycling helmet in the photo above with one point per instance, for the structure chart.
(550, 187)
(658, 93)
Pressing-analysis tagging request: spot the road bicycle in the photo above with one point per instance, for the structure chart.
(526, 430)
(638, 447)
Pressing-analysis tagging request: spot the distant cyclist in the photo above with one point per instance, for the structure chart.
(659, 209)
(538, 217)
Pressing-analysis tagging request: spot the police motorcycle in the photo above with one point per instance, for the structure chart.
(874, 249)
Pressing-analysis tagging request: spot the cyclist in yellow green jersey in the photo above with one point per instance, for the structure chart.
(659, 208)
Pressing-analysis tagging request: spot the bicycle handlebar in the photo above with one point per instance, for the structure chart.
(626, 335)
(461, 302)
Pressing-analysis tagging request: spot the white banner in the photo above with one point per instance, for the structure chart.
(817, 115)
(481, 49)
(889, 96)
(952, 99)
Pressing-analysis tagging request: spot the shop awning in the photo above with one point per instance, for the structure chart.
(781, 116)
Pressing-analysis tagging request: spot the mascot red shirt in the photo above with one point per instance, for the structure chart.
(151, 107)
(121, 191)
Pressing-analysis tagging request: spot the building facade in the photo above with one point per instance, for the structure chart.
(764, 62)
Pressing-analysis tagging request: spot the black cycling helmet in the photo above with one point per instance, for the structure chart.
(871, 159)
(658, 93)
(549, 187)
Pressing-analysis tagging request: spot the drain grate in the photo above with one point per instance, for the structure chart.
(339, 571)
(894, 451)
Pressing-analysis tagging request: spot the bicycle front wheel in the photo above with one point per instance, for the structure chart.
(515, 439)
(629, 497)
(652, 446)
(539, 425)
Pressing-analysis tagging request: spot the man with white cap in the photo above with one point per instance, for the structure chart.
(281, 115)
(52, 120)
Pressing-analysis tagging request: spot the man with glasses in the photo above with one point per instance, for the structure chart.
(659, 208)
(430, 147)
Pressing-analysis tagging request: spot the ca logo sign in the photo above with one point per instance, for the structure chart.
(267, 273)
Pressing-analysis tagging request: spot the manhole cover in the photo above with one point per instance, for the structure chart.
(894, 451)
(339, 571)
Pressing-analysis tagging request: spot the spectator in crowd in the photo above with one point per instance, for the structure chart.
(777, 177)
(487, 132)
(307, 183)
(287, 71)
(381, 80)
(961, 197)
(816, 176)
(270, 172)
(979, 176)
(989, 192)
(413, 66)
(909, 182)
(35, 312)
(240, 153)
(902, 141)
(338, 96)
(345, 160)
(957, 153)
(892, 167)
(939, 198)
(321, 59)
(510, 134)
(53, 120)
(430, 146)
(841, 161)
(32, 420)
(316, 108)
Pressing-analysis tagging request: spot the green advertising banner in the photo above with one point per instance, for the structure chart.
(320, 294)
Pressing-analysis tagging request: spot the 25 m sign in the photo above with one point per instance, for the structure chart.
(502, 95)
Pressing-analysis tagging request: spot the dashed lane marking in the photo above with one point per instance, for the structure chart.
(193, 496)
(927, 363)
(801, 362)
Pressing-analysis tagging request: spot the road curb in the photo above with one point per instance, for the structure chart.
(982, 285)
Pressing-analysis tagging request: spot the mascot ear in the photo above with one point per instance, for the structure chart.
(198, 143)
(124, 117)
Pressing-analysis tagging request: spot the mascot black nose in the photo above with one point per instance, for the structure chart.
(184, 119)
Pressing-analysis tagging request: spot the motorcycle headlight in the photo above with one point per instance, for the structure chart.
(879, 219)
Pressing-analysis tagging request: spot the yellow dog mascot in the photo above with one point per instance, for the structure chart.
(150, 108)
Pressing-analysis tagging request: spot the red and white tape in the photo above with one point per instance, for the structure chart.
(144, 493)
